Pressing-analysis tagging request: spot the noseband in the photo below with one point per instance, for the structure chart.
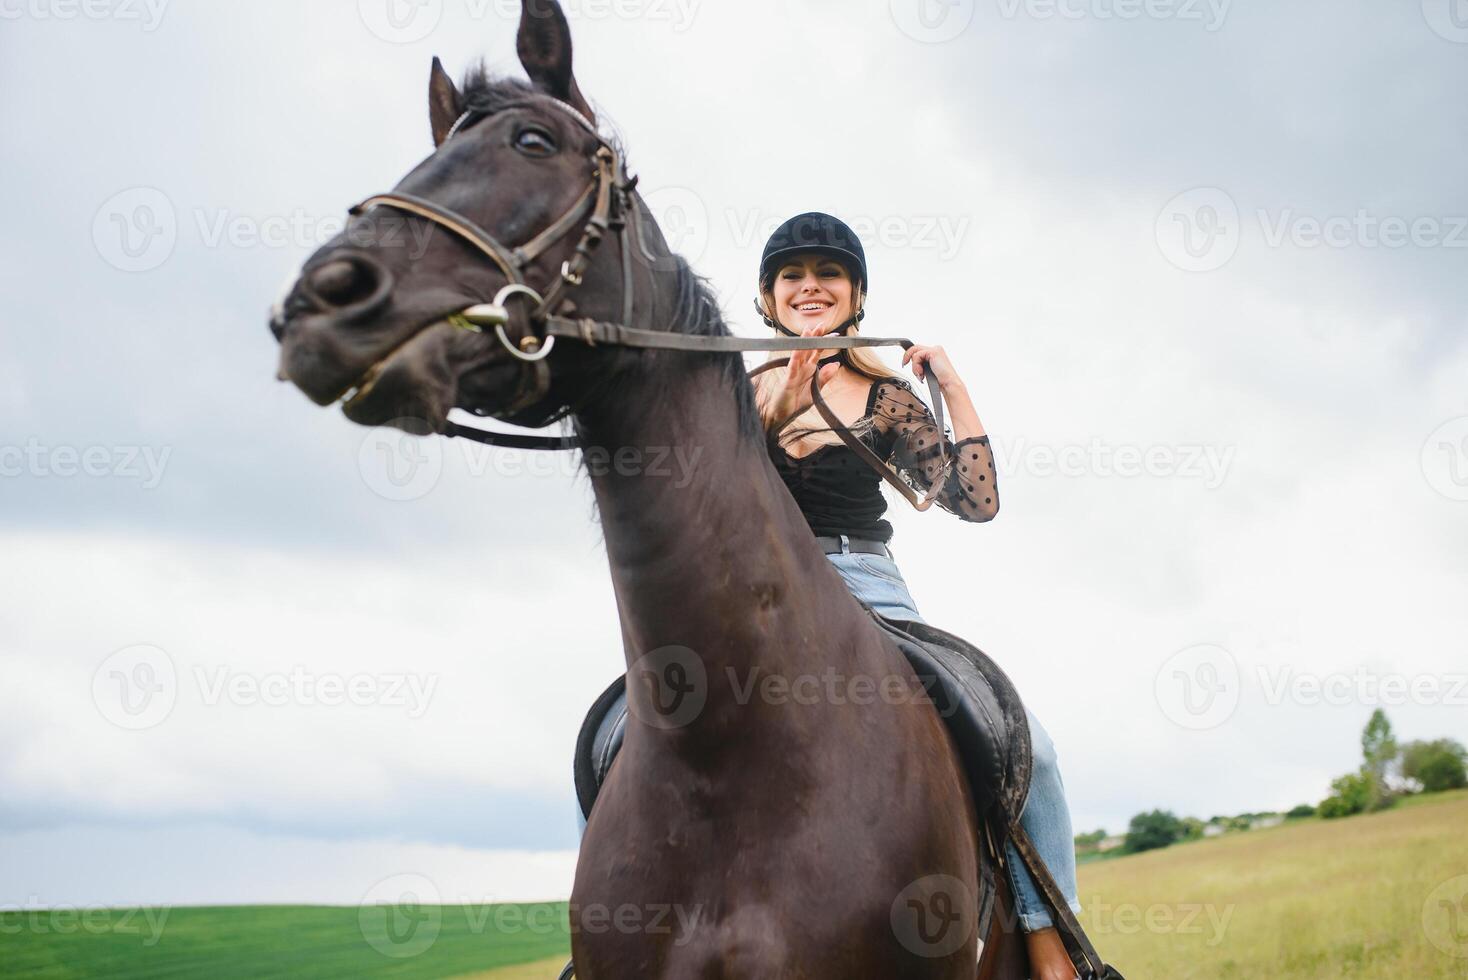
(610, 197)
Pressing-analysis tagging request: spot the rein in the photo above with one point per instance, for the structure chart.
(609, 196)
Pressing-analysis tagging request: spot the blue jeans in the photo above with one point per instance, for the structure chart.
(875, 580)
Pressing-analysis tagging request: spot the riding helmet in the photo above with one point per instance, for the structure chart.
(818, 232)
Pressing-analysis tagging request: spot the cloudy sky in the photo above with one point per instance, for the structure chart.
(1201, 265)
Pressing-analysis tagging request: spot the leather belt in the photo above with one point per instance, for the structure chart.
(861, 546)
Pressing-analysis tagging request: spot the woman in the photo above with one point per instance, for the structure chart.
(813, 282)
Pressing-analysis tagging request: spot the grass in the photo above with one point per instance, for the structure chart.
(1365, 897)
(543, 970)
(1359, 897)
(281, 941)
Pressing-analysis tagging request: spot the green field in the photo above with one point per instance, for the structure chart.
(1380, 896)
(282, 941)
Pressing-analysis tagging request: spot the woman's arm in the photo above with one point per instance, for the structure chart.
(966, 424)
(970, 490)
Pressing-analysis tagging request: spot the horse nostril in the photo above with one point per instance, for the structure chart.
(343, 282)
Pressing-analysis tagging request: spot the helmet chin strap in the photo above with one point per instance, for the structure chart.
(775, 324)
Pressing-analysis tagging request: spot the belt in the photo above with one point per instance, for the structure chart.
(861, 546)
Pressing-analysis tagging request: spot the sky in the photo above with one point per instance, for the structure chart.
(1200, 264)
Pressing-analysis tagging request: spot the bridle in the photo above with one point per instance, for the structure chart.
(610, 197)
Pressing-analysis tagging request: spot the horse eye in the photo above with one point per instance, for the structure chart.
(536, 142)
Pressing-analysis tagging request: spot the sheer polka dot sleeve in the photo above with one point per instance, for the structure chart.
(917, 447)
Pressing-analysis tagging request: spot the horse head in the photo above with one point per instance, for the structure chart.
(511, 207)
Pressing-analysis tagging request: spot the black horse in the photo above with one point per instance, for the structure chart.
(796, 837)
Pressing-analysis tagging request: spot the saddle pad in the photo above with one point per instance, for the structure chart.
(975, 698)
(981, 708)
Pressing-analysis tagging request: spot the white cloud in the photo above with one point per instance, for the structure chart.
(126, 866)
(464, 677)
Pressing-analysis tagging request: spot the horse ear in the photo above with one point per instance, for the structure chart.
(544, 46)
(444, 106)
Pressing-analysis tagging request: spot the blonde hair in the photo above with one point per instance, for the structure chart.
(864, 360)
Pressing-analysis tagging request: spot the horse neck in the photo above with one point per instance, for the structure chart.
(708, 551)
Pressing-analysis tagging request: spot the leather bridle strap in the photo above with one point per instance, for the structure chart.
(598, 332)
(862, 450)
(513, 262)
(456, 223)
(872, 459)
(595, 332)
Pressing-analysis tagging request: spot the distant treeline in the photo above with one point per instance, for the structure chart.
(1388, 772)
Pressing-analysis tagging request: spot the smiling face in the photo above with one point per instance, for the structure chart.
(813, 290)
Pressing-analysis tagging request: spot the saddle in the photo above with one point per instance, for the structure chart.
(986, 718)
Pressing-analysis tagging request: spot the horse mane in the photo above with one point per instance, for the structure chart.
(696, 311)
(696, 307)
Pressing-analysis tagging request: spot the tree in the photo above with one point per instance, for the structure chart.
(1303, 810)
(1435, 766)
(1349, 795)
(1149, 831)
(1379, 747)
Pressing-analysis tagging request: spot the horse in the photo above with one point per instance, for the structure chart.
(750, 833)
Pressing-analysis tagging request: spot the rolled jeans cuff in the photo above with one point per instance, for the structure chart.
(1035, 921)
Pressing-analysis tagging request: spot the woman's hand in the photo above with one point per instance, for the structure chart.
(792, 394)
(966, 424)
(935, 359)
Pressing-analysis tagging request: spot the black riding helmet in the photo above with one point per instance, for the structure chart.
(814, 231)
(823, 234)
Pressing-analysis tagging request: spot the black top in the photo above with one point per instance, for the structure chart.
(840, 494)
